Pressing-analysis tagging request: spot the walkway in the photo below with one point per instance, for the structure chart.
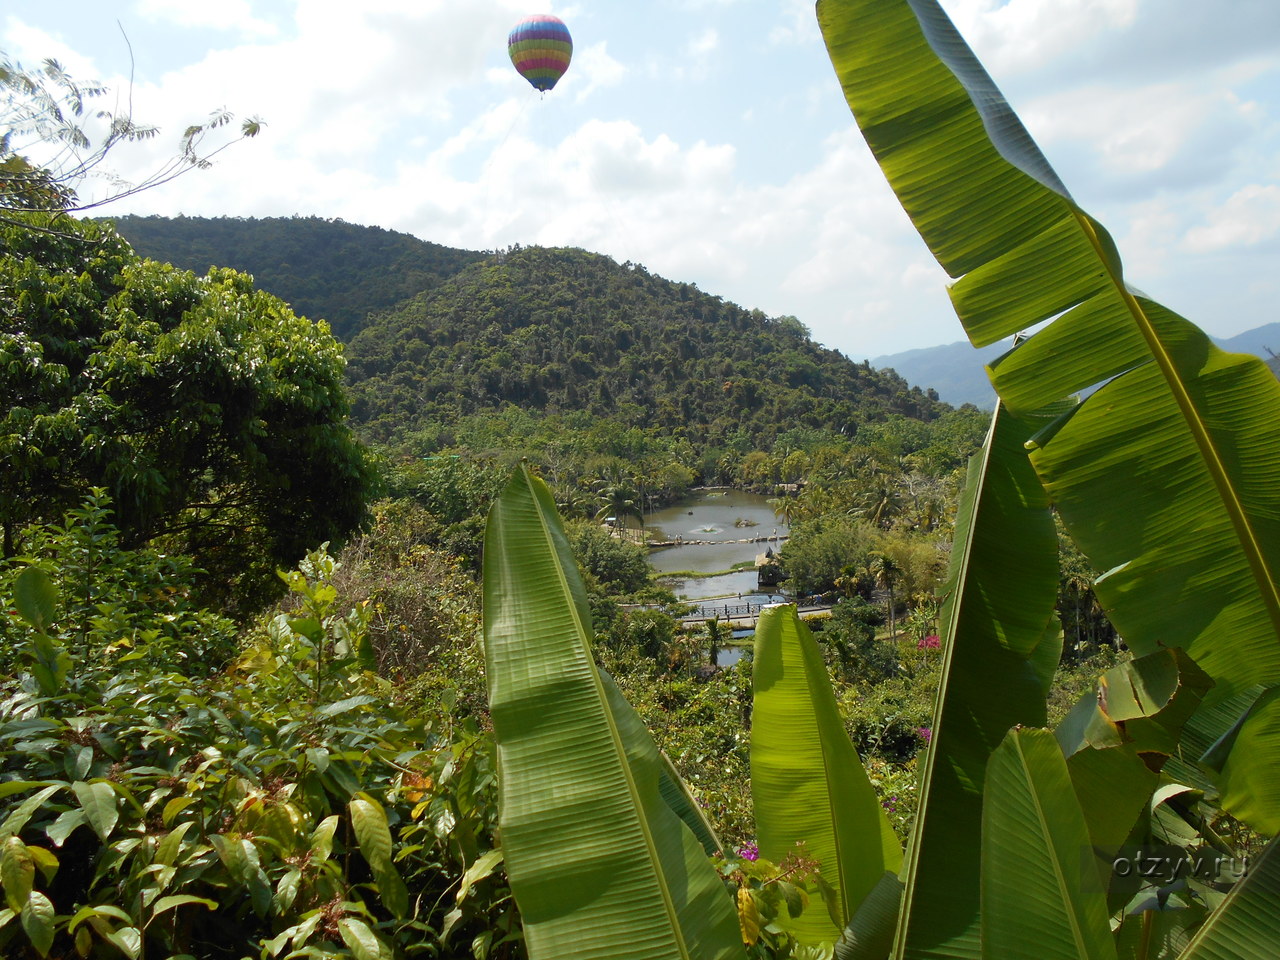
(743, 616)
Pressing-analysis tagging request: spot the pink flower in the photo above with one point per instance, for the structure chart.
(925, 734)
(931, 642)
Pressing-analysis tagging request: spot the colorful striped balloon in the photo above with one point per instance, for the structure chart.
(540, 48)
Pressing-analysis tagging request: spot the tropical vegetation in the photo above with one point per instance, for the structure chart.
(476, 728)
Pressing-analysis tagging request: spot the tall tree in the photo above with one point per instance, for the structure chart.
(212, 414)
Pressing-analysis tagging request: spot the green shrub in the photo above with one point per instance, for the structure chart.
(286, 806)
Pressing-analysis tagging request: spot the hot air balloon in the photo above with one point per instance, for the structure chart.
(540, 47)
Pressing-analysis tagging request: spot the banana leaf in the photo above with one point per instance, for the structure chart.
(1168, 476)
(869, 935)
(1118, 738)
(1248, 923)
(1041, 895)
(808, 785)
(998, 609)
(599, 864)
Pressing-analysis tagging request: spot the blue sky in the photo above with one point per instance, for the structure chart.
(706, 139)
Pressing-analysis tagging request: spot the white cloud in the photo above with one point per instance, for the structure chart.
(32, 45)
(591, 69)
(704, 42)
(1019, 35)
(799, 26)
(1133, 131)
(1250, 216)
(224, 15)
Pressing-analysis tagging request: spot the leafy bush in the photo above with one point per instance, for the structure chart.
(151, 806)
(118, 607)
(420, 601)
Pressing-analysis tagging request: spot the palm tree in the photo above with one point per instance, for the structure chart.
(886, 573)
(618, 499)
(713, 637)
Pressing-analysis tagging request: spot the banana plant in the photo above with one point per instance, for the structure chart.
(599, 859)
(808, 785)
(1167, 477)
(1000, 647)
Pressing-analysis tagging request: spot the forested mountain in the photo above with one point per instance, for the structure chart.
(564, 329)
(437, 334)
(325, 269)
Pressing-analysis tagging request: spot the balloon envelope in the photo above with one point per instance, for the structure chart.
(540, 47)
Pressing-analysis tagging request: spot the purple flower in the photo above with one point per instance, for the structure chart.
(925, 734)
(749, 852)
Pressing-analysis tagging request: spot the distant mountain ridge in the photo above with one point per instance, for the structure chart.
(325, 269)
(561, 330)
(956, 371)
(435, 335)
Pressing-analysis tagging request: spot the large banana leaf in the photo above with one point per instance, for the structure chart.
(1118, 738)
(599, 864)
(998, 605)
(1248, 923)
(807, 783)
(1168, 477)
(1041, 896)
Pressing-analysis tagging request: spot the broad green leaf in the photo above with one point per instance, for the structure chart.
(20, 786)
(1250, 776)
(174, 807)
(342, 706)
(50, 664)
(373, 836)
(869, 935)
(240, 857)
(673, 789)
(167, 849)
(677, 796)
(360, 939)
(46, 862)
(1167, 477)
(286, 891)
(232, 854)
(18, 817)
(98, 801)
(1038, 884)
(479, 869)
(36, 598)
(808, 785)
(89, 913)
(322, 838)
(1248, 923)
(599, 864)
(165, 904)
(37, 921)
(1119, 736)
(17, 873)
(996, 615)
(128, 940)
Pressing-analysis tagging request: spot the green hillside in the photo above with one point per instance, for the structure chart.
(325, 269)
(562, 330)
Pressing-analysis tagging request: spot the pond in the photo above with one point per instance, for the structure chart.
(721, 520)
